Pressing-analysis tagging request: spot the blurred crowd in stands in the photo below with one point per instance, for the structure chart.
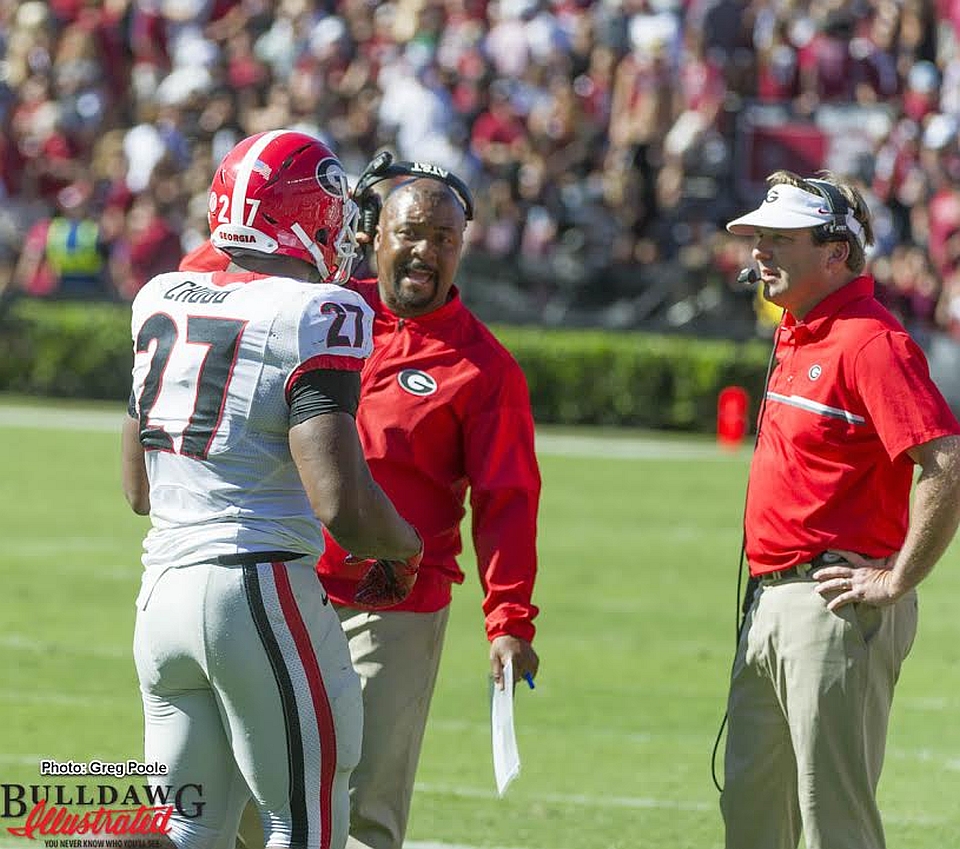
(606, 142)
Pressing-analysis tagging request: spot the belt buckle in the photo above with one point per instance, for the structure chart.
(825, 558)
(803, 570)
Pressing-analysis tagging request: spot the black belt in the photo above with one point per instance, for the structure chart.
(802, 570)
(252, 558)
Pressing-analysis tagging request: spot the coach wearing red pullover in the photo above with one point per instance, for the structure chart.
(444, 408)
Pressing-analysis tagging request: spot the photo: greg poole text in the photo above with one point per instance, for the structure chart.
(118, 769)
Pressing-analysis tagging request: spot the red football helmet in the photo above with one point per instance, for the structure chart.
(284, 192)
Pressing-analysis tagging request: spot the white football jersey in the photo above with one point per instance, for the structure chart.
(214, 357)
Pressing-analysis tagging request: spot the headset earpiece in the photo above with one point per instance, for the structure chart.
(836, 230)
(382, 167)
(370, 205)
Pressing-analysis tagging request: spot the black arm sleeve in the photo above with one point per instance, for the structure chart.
(324, 391)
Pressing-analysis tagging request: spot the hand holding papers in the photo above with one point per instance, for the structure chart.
(506, 757)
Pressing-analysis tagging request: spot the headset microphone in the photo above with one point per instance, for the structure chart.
(748, 278)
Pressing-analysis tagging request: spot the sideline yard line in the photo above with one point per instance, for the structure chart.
(60, 418)
(570, 799)
(460, 726)
(631, 802)
(432, 844)
(407, 844)
(548, 444)
(631, 448)
(24, 643)
(51, 552)
(39, 697)
(22, 760)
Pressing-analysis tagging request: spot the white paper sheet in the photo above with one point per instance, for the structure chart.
(506, 757)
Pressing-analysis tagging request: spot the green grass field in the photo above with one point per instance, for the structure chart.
(637, 586)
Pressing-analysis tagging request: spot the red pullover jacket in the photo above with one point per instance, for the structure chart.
(444, 407)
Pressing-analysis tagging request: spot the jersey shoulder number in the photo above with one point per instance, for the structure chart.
(335, 322)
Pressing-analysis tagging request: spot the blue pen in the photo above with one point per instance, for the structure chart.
(529, 679)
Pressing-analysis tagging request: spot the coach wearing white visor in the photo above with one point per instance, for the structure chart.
(834, 548)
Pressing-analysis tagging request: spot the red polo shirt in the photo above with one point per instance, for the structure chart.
(850, 393)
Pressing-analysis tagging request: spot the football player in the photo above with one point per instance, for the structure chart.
(444, 407)
(240, 436)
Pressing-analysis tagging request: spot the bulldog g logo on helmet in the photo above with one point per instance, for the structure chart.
(332, 178)
(264, 199)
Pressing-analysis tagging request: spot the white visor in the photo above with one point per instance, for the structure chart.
(788, 208)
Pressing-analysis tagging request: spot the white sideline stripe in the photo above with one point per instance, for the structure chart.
(432, 844)
(933, 703)
(570, 799)
(23, 643)
(50, 550)
(61, 418)
(407, 844)
(34, 697)
(548, 444)
(460, 726)
(631, 448)
(44, 547)
(631, 802)
(22, 760)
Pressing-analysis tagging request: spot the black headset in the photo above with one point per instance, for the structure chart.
(382, 167)
(837, 230)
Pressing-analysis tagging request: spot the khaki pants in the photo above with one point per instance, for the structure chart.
(810, 698)
(397, 655)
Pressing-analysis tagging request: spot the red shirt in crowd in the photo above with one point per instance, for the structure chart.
(444, 408)
(943, 211)
(849, 395)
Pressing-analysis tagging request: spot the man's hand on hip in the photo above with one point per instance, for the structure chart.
(860, 579)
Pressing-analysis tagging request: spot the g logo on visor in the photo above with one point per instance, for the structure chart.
(771, 196)
(416, 382)
(332, 178)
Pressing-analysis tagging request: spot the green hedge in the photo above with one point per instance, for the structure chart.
(66, 349)
(83, 350)
(637, 379)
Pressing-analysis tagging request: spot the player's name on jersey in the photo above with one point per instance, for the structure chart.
(194, 293)
(115, 768)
